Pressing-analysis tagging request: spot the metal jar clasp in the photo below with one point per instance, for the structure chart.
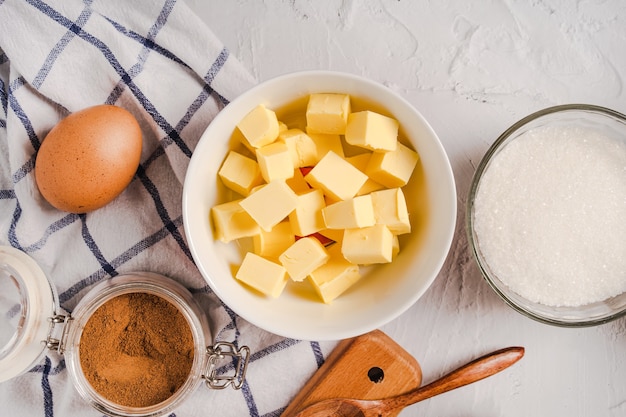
(224, 351)
(58, 343)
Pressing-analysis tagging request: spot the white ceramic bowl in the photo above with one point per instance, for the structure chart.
(386, 290)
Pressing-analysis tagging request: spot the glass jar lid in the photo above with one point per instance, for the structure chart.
(27, 302)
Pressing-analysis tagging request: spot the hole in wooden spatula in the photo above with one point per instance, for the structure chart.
(375, 374)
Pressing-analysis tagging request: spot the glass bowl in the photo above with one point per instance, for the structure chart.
(532, 263)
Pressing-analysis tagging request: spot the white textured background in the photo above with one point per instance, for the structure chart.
(472, 68)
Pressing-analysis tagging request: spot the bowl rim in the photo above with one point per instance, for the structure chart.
(447, 235)
(469, 221)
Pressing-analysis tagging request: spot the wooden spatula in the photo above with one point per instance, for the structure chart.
(372, 366)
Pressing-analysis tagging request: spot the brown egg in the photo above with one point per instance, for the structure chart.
(88, 158)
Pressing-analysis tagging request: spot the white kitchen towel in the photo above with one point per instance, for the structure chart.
(160, 62)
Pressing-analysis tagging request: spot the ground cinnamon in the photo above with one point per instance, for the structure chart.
(136, 350)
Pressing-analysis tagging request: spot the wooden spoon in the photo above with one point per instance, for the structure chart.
(474, 371)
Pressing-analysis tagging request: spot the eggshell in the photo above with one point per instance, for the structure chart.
(88, 158)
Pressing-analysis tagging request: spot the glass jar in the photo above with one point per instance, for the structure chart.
(31, 317)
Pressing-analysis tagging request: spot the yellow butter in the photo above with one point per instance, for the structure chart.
(334, 277)
(335, 235)
(328, 113)
(297, 182)
(331, 200)
(360, 162)
(270, 204)
(395, 247)
(258, 187)
(325, 143)
(262, 274)
(238, 137)
(275, 161)
(368, 245)
(307, 216)
(355, 201)
(301, 146)
(303, 257)
(232, 222)
(240, 173)
(271, 244)
(373, 131)
(392, 169)
(390, 209)
(259, 127)
(336, 177)
(348, 214)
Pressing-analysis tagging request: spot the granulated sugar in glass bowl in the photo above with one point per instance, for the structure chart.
(547, 215)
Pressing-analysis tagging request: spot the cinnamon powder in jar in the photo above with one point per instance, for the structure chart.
(136, 350)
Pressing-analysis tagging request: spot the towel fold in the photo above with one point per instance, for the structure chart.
(158, 60)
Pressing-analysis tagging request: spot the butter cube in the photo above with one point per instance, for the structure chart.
(348, 214)
(232, 222)
(275, 161)
(240, 173)
(238, 137)
(325, 143)
(258, 187)
(302, 148)
(368, 245)
(392, 169)
(271, 244)
(373, 131)
(390, 209)
(331, 200)
(263, 275)
(307, 216)
(297, 182)
(270, 204)
(303, 257)
(336, 177)
(328, 113)
(360, 162)
(259, 126)
(335, 235)
(395, 247)
(335, 276)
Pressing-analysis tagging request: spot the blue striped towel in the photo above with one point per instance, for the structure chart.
(159, 61)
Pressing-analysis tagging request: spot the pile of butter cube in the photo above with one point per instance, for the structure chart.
(312, 212)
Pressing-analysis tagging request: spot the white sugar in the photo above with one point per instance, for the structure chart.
(550, 216)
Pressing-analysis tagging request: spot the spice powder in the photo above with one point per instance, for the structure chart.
(136, 350)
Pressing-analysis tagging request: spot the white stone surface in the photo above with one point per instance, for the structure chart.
(472, 68)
